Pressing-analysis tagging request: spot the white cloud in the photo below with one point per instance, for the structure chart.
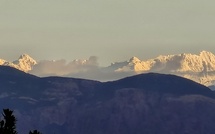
(62, 68)
(87, 69)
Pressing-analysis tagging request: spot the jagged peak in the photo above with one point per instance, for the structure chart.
(24, 63)
(2, 61)
(206, 53)
(26, 58)
(134, 59)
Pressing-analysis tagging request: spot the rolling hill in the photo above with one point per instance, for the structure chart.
(147, 103)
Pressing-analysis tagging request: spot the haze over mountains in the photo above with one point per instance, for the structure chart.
(198, 67)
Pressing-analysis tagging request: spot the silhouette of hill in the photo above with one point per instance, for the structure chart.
(163, 83)
(146, 103)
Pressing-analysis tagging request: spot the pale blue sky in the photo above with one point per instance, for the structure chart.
(113, 30)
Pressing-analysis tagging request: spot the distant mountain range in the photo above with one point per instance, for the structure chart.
(142, 104)
(199, 68)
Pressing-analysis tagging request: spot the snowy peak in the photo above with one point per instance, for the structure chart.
(176, 63)
(205, 54)
(197, 63)
(24, 63)
(134, 60)
(2, 61)
(198, 67)
(26, 57)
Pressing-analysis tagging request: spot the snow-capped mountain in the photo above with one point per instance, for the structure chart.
(203, 62)
(24, 63)
(200, 68)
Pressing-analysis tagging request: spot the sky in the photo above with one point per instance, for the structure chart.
(112, 30)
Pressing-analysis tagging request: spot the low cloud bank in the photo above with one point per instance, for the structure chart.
(87, 69)
(61, 67)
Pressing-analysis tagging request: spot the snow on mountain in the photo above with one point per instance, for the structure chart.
(24, 63)
(205, 61)
(200, 68)
(2, 61)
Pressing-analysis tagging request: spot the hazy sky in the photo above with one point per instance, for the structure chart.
(113, 30)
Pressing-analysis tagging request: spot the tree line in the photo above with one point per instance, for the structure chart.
(8, 123)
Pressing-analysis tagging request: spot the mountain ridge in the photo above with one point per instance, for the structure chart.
(186, 62)
(24, 63)
(146, 103)
(198, 67)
